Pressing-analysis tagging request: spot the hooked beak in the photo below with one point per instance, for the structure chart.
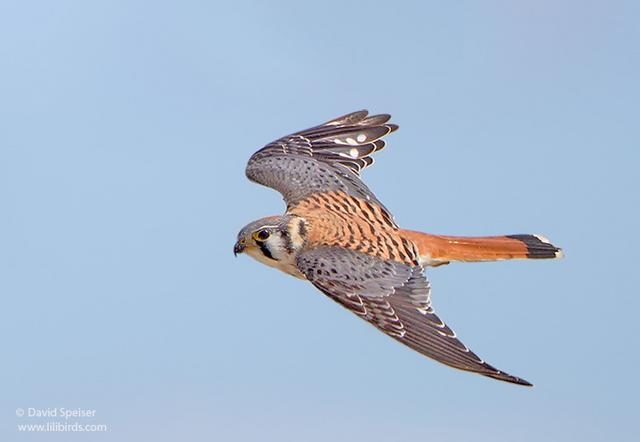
(238, 248)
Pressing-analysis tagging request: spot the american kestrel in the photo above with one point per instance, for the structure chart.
(337, 235)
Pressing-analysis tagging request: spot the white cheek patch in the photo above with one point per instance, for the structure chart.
(276, 246)
(286, 263)
(294, 228)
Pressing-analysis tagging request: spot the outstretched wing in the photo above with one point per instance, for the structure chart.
(322, 158)
(395, 298)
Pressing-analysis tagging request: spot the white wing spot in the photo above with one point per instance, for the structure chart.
(354, 153)
(361, 138)
(351, 141)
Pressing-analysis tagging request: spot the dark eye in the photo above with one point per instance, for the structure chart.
(261, 235)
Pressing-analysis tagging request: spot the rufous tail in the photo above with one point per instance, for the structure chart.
(437, 249)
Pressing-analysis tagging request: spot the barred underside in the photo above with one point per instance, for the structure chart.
(396, 299)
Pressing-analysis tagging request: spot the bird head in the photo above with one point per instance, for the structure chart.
(259, 236)
(272, 239)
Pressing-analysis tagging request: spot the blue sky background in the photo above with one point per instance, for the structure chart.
(124, 131)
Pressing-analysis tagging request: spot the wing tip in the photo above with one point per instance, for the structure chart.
(506, 377)
(347, 119)
(503, 376)
(362, 118)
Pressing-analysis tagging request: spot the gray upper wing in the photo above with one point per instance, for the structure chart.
(395, 298)
(322, 158)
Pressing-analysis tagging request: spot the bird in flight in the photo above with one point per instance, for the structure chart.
(337, 235)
